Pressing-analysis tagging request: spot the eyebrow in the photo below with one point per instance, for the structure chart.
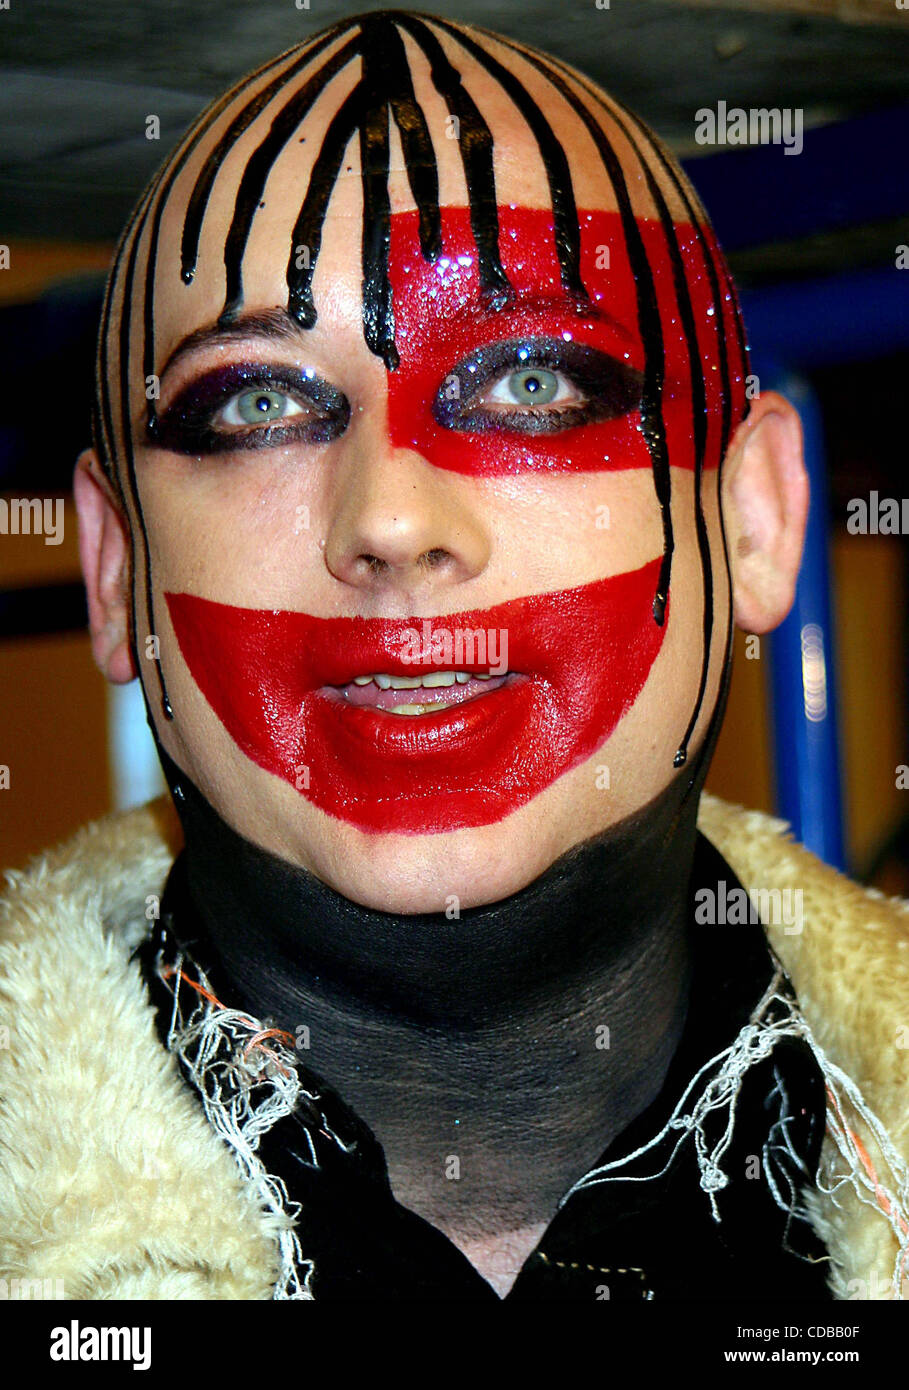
(277, 326)
(564, 301)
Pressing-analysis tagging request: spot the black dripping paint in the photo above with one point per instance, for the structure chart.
(386, 81)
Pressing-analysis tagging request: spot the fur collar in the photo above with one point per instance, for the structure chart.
(112, 1180)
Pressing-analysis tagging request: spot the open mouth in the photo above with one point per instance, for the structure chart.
(312, 700)
(440, 690)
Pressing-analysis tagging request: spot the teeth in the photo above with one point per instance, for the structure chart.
(430, 680)
(415, 709)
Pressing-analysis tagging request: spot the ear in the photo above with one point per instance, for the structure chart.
(765, 498)
(104, 548)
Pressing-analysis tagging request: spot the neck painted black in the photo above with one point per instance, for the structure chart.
(519, 1037)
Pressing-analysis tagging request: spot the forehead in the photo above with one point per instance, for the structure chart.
(268, 197)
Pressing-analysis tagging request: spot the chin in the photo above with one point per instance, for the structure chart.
(427, 873)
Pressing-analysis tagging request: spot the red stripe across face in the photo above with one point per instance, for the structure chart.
(579, 658)
(439, 320)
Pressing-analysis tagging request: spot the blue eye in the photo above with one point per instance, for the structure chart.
(530, 386)
(252, 406)
(257, 408)
(536, 386)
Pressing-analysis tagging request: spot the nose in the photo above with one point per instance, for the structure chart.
(397, 522)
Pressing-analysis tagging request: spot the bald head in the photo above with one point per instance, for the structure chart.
(381, 113)
(418, 322)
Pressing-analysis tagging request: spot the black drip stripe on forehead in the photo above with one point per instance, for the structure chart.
(699, 420)
(698, 393)
(129, 249)
(390, 83)
(649, 324)
(385, 50)
(255, 175)
(476, 153)
(558, 173)
(381, 78)
(696, 214)
(386, 81)
(689, 328)
(307, 230)
(385, 68)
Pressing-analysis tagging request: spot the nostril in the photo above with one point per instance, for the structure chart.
(373, 563)
(433, 558)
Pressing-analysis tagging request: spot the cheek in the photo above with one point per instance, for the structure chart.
(640, 754)
(234, 529)
(556, 530)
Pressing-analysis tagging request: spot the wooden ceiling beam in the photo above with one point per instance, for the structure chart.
(880, 12)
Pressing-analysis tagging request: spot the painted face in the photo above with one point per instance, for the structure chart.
(418, 411)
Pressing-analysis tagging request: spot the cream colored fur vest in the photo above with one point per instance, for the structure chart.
(113, 1180)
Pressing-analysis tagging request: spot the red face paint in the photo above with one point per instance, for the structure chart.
(439, 320)
(580, 658)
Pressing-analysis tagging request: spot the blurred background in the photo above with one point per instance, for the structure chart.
(816, 728)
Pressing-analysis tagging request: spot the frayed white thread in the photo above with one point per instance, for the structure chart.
(888, 1199)
(769, 1153)
(889, 1196)
(214, 1048)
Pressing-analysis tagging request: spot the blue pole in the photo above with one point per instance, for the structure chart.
(802, 670)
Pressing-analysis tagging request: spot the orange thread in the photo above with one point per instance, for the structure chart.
(285, 1071)
(268, 1033)
(883, 1200)
(255, 1041)
(200, 989)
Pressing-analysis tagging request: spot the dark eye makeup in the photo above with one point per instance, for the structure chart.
(531, 368)
(610, 388)
(189, 425)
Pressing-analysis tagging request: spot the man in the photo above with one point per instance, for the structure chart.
(426, 485)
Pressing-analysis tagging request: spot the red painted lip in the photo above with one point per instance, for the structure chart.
(578, 660)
